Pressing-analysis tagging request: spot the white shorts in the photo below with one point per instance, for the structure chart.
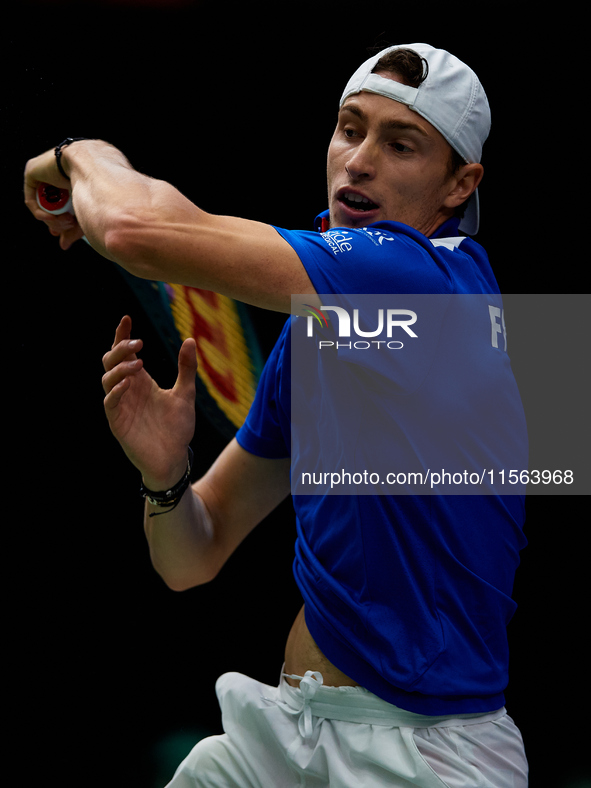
(346, 737)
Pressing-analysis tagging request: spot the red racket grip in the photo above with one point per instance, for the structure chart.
(54, 200)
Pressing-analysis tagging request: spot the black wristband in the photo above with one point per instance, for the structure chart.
(168, 499)
(58, 152)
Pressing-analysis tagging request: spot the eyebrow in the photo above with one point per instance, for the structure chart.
(398, 125)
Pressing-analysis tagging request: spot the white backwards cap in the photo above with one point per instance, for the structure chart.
(451, 98)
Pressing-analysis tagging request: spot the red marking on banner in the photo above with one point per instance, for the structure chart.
(202, 331)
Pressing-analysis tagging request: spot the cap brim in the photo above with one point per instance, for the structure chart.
(471, 220)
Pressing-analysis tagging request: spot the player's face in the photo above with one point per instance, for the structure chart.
(385, 162)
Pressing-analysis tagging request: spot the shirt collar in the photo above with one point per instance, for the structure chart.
(449, 228)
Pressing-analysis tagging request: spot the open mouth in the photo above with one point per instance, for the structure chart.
(357, 202)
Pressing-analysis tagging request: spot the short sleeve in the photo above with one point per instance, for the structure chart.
(266, 430)
(387, 257)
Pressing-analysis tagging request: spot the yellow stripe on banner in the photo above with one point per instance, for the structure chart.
(224, 362)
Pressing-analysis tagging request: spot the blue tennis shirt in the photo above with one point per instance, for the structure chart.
(408, 594)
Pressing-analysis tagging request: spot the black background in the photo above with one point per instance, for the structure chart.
(109, 675)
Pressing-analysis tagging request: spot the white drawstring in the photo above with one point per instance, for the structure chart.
(309, 686)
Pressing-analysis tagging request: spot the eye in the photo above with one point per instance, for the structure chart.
(401, 148)
(350, 133)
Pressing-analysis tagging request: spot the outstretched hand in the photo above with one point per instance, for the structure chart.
(154, 426)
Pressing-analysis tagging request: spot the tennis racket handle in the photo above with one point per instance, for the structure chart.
(54, 200)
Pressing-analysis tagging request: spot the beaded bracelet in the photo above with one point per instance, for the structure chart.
(168, 499)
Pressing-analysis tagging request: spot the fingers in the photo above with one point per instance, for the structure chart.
(123, 330)
(121, 361)
(113, 395)
(70, 236)
(64, 225)
(121, 372)
(60, 223)
(41, 169)
(123, 352)
(68, 230)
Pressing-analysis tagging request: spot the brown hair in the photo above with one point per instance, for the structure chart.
(406, 63)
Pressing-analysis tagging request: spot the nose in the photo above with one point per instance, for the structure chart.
(362, 165)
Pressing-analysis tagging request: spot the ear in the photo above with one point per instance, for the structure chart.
(463, 184)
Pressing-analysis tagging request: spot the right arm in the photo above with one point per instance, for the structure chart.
(154, 232)
(190, 543)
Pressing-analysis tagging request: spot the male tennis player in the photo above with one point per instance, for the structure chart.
(396, 665)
